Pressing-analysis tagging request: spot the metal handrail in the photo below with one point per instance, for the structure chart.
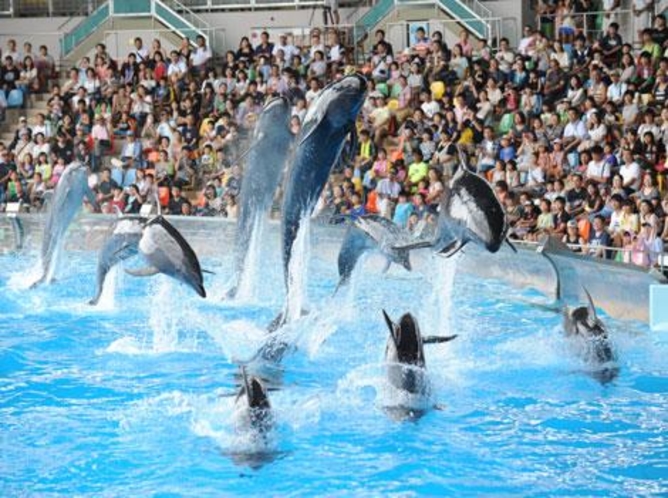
(586, 247)
(621, 13)
(182, 9)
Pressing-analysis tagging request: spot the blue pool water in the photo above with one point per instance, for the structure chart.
(133, 398)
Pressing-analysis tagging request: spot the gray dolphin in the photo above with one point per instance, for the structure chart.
(373, 232)
(67, 200)
(589, 336)
(252, 406)
(254, 422)
(123, 243)
(406, 368)
(329, 120)
(169, 253)
(267, 155)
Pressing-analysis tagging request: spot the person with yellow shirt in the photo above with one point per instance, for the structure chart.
(417, 170)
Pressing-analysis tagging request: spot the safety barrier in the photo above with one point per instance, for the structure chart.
(621, 290)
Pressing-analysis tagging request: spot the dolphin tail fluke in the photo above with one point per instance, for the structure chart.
(438, 339)
(149, 271)
(386, 266)
(405, 258)
(511, 245)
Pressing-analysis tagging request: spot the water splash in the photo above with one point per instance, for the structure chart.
(439, 318)
(298, 272)
(162, 320)
(112, 283)
(249, 280)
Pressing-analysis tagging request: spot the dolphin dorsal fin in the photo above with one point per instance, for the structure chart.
(394, 328)
(590, 305)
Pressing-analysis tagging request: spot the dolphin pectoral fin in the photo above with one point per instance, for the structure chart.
(149, 271)
(511, 245)
(452, 249)
(394, 328)
(209, 272)
(555, 307)
(413, 245)
(438, 339)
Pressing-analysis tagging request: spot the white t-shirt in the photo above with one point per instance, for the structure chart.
(598, 169)
(629, 171)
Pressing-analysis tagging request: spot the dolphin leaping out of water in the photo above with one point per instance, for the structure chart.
(122, 244)
(169, 253)
(67, 200)
(374, 232)
(330, 118)
(267, 155)
(406, 367)
(589, 337)
(469, 212)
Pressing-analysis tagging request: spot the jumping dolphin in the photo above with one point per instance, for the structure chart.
(167, 252)
(329, 120)
(254, 424)
(373, 232)
(589, 338)
(469, 212)
(71, 190)
(122, 244)
(406, 366)
(267, 155)
(252, 407)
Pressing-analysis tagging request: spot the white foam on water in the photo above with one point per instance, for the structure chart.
(239, 339)
(163, 321)
(298, 272)
(249, 280)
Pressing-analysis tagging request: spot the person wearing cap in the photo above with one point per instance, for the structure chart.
(572, 237)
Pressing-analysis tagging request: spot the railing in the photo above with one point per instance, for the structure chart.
(194, 19)
(585, 250)
(84, 29)
(397, 33)
(591, 24)
(117, 40)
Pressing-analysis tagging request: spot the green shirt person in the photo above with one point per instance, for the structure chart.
(418, 169)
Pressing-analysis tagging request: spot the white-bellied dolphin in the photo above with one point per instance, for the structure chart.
(122, 243)
(469, 212)
(67, 200)
(169, 253)
(265, 162)
(330, 118)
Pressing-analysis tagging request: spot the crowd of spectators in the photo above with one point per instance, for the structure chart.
(570, 131)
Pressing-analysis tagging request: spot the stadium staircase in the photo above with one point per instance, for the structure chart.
(122, 14)
(470, 14)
